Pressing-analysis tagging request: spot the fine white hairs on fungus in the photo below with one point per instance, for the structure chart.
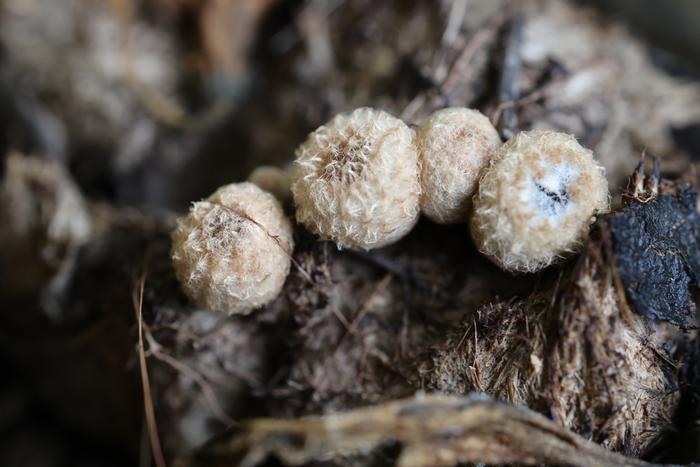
(232, 252)
(536, 200)
(356, 180)
(455, 144)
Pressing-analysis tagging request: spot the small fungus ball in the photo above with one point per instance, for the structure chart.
(273, 180)
(232, 252)
(356, 180)
(536, 200)
(456, 145)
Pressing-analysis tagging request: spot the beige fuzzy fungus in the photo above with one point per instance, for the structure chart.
(274, 180)
(356, 180)
(232, 252)
(536, 200)
(456, 145)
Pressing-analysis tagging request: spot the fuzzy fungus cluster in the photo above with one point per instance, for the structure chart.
(356, 180)
(232, 252)
(456, 145)
(536, 200)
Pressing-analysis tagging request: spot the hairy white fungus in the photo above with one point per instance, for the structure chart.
(356, 180)
(455, 144)
(232, 252)
(536, 200)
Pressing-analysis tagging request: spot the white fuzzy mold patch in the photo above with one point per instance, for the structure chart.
(548, 196)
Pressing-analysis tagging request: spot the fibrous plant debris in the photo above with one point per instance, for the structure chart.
(573, 351)
(431, 431)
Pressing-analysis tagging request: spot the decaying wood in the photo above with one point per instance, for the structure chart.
(431, 430)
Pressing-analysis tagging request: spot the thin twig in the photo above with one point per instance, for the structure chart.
(366, 305)
(525, 100)
(509, 89)
(350, 328)
(385, 262)
(198, 379)
(454, 21)
(156, 448)
(341, 317)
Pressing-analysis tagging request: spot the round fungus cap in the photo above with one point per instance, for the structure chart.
(355, 180)
(455, 144)
(536, 200)
(273, 180)
(232, 252)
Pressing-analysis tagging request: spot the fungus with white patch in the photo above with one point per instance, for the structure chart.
(536, 200)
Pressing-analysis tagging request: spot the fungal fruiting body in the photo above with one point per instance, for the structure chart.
(455, 145)
(536, 200)
(232, 252)
(356, 180)
(273, 180)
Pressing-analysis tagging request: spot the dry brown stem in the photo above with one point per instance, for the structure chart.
(432, 430)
